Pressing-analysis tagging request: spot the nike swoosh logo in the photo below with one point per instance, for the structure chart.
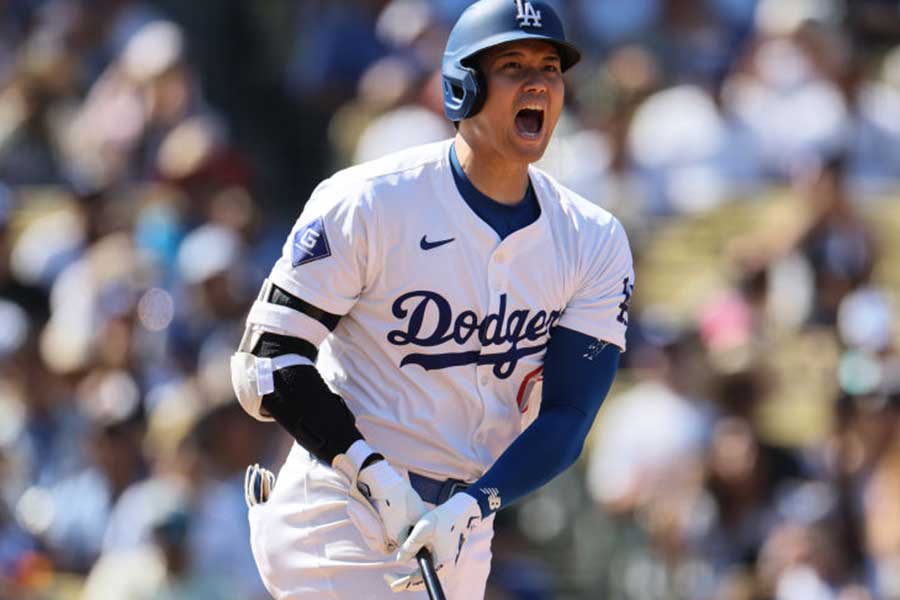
(426, 245)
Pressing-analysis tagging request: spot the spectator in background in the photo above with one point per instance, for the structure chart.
(743, 478)
(219, 534)
(143, 95)
(860, 458)
(659, 423)
(691, 154)
(838, 244)
(211, 266)
(804, 561)
(401, 91)
(596, 160)
(30, 103)
(336, 43)
(51, 442)
(81, 503)
(161, 569)
(28, 296)
(608, 23)
(827, 251)
(874, 23)
(880, 498)
(698, 41)
(185, 523)
(872, 128)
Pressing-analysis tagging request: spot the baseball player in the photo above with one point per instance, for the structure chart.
(437, 335)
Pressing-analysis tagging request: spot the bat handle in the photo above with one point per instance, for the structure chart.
(432, 583)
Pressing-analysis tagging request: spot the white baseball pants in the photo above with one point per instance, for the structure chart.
(305, 545)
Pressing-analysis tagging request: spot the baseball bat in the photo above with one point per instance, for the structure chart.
(432, 583)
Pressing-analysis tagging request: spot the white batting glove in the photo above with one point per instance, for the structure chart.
(443, 531)
(382, 504)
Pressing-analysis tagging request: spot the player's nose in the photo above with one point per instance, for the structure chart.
(536, 82)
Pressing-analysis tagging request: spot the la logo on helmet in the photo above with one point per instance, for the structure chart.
(528, 16)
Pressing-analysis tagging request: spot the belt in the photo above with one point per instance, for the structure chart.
(435, 491)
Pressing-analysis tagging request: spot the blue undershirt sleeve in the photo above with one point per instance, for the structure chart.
(578, 372)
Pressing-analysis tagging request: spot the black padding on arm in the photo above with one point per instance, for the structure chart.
(302, 403)
(283, 298)
(271, 345)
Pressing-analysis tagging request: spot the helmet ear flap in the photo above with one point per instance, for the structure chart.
(480, 94)
(462, 92)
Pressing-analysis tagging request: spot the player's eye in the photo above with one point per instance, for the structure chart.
(511, 65)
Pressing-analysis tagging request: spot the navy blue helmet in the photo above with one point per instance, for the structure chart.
(489, 23)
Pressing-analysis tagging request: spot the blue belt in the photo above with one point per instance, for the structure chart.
(434, 491)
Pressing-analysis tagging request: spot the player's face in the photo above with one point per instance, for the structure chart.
(524, 99)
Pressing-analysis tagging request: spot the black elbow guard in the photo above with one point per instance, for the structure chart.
(302, 403)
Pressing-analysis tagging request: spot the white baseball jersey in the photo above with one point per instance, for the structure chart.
(444, 326)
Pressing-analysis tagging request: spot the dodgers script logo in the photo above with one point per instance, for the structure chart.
(498, 329)
(527, 16)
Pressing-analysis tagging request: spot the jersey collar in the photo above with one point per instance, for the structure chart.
(466, 218)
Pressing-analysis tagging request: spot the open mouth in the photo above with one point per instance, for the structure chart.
(530, 122)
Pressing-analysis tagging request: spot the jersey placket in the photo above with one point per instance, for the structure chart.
(497, 412)
(495, 409)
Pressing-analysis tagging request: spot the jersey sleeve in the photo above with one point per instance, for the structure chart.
(325, 259)
(599, 305)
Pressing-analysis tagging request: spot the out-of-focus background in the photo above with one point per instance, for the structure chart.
(154, 154)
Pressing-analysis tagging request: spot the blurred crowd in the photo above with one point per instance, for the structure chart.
(153, 157)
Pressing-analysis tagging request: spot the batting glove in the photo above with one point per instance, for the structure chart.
(382, 504)
(443, 531)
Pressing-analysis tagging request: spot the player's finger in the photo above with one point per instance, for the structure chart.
(404, 535)
(421, 535)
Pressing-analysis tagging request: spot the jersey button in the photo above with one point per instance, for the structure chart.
(500, 257)
(484, 380)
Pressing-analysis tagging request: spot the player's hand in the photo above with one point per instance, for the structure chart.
(443, 531)
(383, 506)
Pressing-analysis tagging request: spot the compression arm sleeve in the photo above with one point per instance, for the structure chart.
(301, 402)
(578, 372)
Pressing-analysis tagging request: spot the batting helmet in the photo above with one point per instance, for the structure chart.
(489, 23)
